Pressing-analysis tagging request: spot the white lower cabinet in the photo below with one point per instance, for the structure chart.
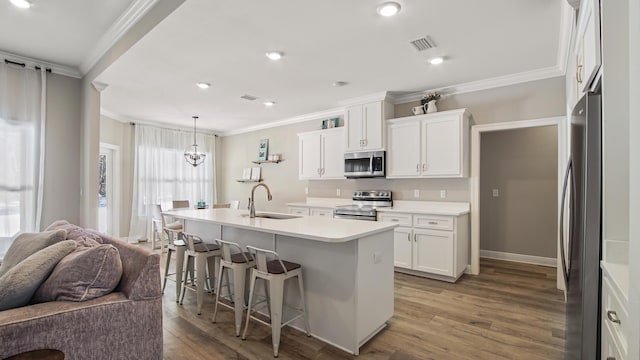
(614, 322)
(321, 212)
(299, 210)
(433, 251)
(402, 247)
(434, 246)
(311, 211)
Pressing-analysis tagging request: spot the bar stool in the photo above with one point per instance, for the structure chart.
(174, 245)
(271, 268)
(238, 261)
(204, 255)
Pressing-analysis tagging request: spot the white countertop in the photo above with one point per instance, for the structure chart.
(402, 206)
(306, 227)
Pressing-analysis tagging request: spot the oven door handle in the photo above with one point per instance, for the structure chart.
(371, 163)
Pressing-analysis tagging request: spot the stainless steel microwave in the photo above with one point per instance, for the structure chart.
(366, 164)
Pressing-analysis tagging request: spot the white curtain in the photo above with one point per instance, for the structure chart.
(22, 134)
(161, 174)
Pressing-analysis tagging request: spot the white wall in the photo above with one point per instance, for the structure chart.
(525, 101)
(615, 111)
(634, 178)
(62, 160)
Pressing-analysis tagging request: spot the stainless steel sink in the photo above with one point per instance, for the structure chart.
(276, 216)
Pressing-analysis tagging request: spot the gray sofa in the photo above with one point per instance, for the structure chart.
(125, 324)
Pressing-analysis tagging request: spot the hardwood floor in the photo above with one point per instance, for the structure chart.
(509, 311)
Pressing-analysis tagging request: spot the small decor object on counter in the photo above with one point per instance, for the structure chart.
(201, 205)
(428, 101)
(418, 110)
(274, 157)
(263, 150)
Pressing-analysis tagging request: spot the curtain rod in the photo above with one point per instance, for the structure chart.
(173, 129)
(23, 65)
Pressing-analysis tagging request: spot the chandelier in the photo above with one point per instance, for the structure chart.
(191, 154)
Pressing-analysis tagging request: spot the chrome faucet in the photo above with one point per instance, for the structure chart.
(252, 207)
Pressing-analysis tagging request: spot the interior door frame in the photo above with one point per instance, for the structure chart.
(116, 186)
(563, 154)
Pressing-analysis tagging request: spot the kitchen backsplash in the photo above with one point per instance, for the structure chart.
(403, 189)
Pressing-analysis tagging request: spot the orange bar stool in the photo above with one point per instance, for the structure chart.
(269, 267)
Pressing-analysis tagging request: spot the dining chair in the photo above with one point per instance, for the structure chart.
(156, 226)
(235, 204)
(221, 206)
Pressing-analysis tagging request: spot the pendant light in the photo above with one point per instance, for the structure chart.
(191, 154)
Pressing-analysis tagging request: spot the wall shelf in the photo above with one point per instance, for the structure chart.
(266, 161)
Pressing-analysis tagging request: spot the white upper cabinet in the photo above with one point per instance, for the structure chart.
(364, 126)
(321, 154)
(588, 45)
(432, 145)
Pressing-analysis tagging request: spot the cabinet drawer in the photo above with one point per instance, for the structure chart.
(433, 222)
(321, 212)
(614, 314)
(299, 210)
(402, 219)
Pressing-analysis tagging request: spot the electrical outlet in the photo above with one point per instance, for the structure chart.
(377, 257)
(306, 190)
(416, 193)
(338, 192)
(495, 192)
(443, 194)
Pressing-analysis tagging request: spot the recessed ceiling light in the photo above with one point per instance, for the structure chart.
(389, 8)
(340, 83)
(24, 4)
(269, 103)
(274, 55)
(203, 85)
(436, 61)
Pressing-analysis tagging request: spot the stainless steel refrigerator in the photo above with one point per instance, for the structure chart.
(582, 208)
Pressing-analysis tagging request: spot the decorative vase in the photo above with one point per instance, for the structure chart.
(431, 107)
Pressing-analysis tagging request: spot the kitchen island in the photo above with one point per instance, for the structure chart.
(347, 267)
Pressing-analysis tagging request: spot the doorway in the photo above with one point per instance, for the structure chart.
(559, 124)
(109, 189)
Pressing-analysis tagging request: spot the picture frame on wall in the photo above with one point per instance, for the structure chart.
(263, 150)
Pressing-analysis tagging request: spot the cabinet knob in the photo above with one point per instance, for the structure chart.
(611, 358)
(433, 223)
(409, 237)
(613, 316)
(396, 220)
(417, 167)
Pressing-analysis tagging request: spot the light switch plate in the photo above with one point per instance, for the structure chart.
(338, 192)
(416, 193)
(306, 190)
(495, 192)
(443, 194)
(377, 257)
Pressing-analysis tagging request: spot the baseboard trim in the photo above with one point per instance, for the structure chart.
(528, 259)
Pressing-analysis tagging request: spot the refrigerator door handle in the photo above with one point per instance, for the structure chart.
(565, 272)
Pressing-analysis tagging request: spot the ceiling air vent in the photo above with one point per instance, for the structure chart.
(248, 97)
(423, 44)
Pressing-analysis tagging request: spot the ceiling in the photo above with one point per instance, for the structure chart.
(224, 43)
(63, 32)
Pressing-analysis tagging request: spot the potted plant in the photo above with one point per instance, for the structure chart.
(429, 101)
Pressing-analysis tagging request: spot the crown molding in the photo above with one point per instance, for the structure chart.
(31, 62)
(129, 120)
(379, 96)
(293, 120)
(136, 11)
(486, 84)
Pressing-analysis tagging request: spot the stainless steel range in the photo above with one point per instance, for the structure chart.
(364, 205)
